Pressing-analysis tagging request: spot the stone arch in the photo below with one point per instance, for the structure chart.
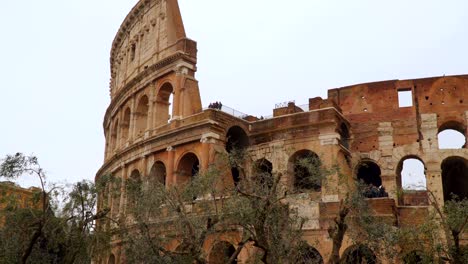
(187, 167)
(158, 173)
(111, 259)
(411, 173)
(236, 140)
(305, 168)
(455, 177)
(141, 115)
(125, 127)
(416, 257)
(309, 255)
(115, 134)
(368, 171)
(358, 254)
(345, 135)
(133, 186)
(164, 104)
(221, 252)
(451, 135)
(263, 172)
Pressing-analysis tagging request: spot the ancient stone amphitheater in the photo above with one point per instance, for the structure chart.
(156, 126)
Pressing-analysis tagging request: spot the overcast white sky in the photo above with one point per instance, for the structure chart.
(54, 61)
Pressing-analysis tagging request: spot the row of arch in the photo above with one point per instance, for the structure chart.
(222, 251)
(411, 175)
(136, 123)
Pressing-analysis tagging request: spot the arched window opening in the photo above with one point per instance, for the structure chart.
(111, 259)
(368, 174)
(164, 102)
(158, 173)
(115, 135)
(188, 167)
(263, 173)
(412, 173)
(455, 178)
(452, 136)
(221, 253)
(344, 135)
(412, 182)
(358, 254)
(125, 134)
(236, 139)
(237, 142)
(133, 189)
(142, 115)
(416, 257)
(309, 255)
(307, 170)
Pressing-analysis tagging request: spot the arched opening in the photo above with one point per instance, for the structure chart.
(306, 168)
(164, 104)
(158, 173)
(411, 171)
(111, 259)
(455, 178)
(452, 136)
(142, 115)
(115, 135)
(237, 142)
(344, 135)
(263, 173)
(309, 255)
(368, 174)
(358, 254)
(133, 186)
(416, 257)
(188, 168)
(411, 180)
(236, 139)
(125, 134)
(221, 252)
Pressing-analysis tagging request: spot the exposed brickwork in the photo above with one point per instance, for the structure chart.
(152, 61)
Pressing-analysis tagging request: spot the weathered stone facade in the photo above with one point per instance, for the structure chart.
(148, 134)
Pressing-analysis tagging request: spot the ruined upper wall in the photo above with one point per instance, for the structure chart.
(153, 31)
(367, 105)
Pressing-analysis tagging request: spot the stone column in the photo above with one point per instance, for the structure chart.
(133, 117)
(171, 177)
(122, 192)
(207, 141)
(434, 181)
(429, 131)
(389, 180)
(150, 122)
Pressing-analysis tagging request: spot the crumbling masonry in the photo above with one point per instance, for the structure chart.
(155, 126)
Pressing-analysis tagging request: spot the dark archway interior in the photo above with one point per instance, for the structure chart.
(310, 255)
(111, 259)
(264, 172)
(158, 173)
(358, 254)
(455, 177)
(189, 167)
(416, 257)
(236, 139)
(307, 170)
(344, 134)
(369, 173)
(221, 253)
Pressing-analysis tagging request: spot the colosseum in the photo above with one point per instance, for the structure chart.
(157, 126)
